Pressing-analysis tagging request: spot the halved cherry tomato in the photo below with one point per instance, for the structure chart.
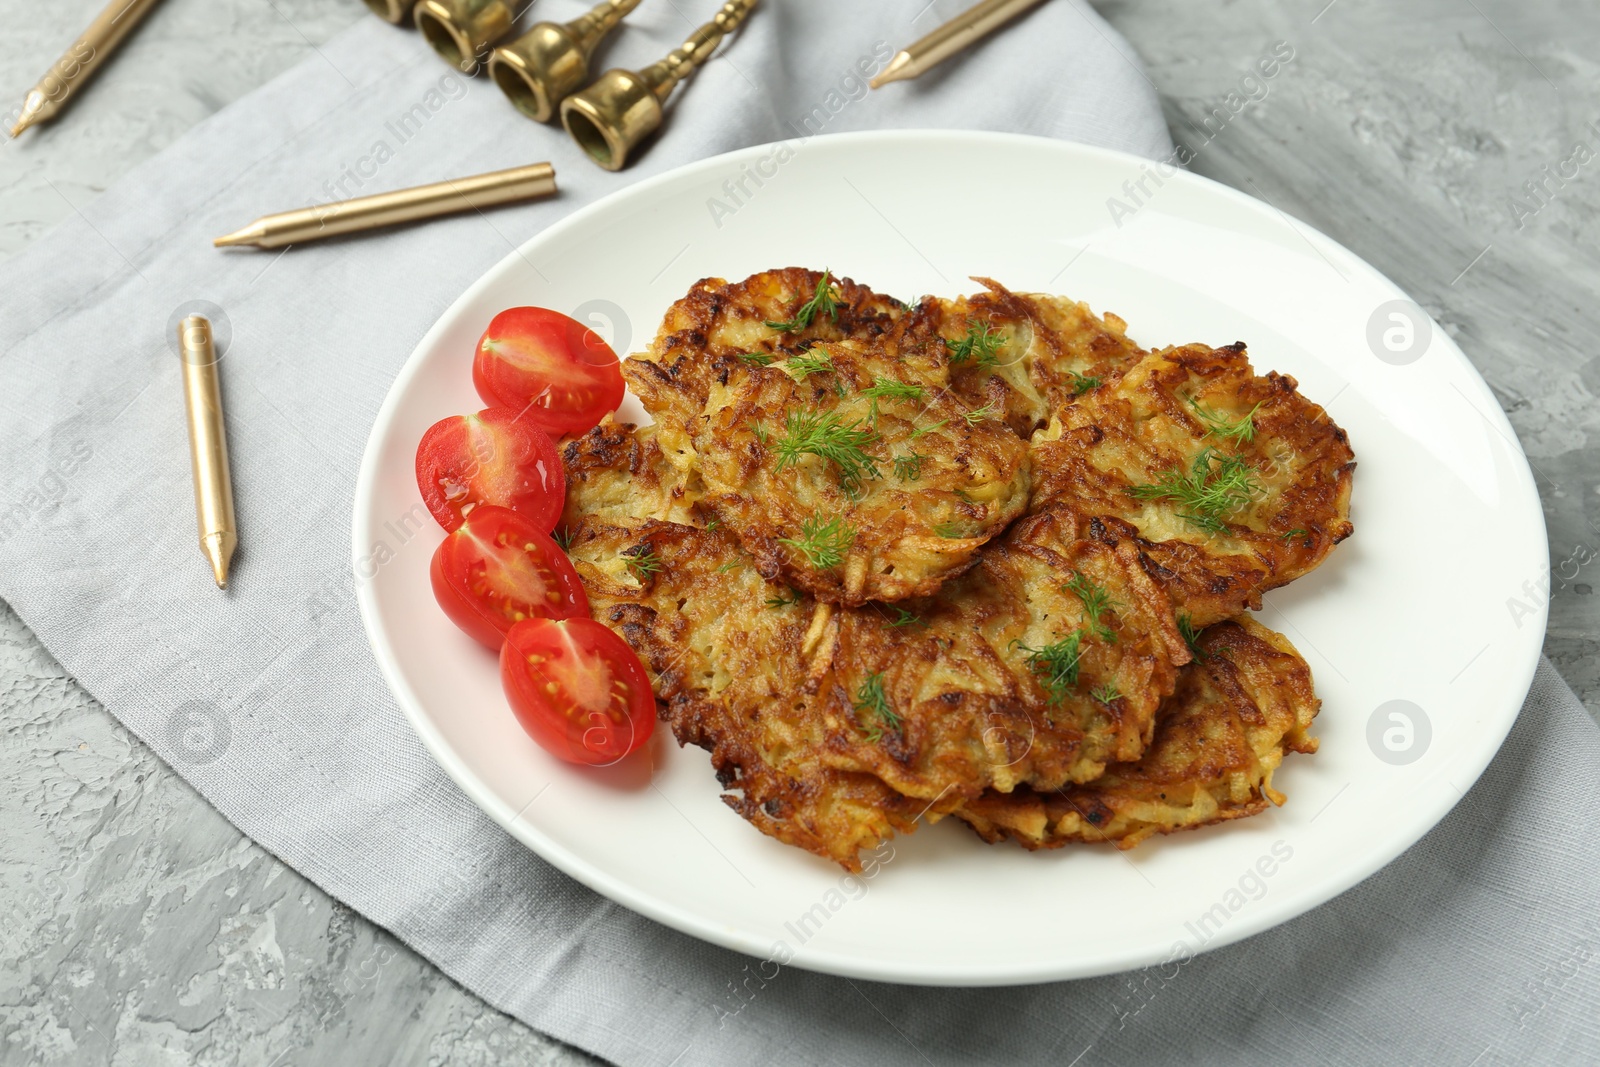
(578, 689)
(560, 371)
(497, 569)
(492, 457)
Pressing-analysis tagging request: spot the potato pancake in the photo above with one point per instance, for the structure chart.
(853, 472)
(1041, 665)
(1245, 702)
(1228, 483)
(1023, 354)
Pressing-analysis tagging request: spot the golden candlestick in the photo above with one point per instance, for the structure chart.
(551, 61)
(77, 66)
(461, 31)
(611, 117)
(395, 11)
(961, 32)
(208, 446)
(403, 205)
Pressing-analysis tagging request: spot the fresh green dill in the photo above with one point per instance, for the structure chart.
(1242, 430)
(981, 345)
(821, 434)
(918, 431)
(784, 599)
(1106, 693)
(949, 530)
(1191, 636)
(1207, 492)
(1296, 532)
(902, 617)
(804, 365)
(713, 524)
(824, 301)
(983, 414)
(871, 698)
(888, 388)
(1082, 383)
(642, 560)
(1096, 603)
(729, 566)
(759, 429)
(909, 468)
(563, 537)
(1056, 665)
(760, 359)
(823, 544)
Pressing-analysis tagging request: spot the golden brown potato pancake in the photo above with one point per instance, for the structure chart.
(1024, 354)
(1228, 483)
(1245, 702)
(850, 470)
(839, 725)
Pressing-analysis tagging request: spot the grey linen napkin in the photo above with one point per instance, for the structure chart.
(1479, 943)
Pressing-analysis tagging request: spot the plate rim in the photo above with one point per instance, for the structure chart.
(1282, 909)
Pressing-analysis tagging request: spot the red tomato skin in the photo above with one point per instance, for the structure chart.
(492, 457)
(581, 384)
(449, 574)
(558, 733)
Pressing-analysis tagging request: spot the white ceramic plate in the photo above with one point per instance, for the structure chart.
(1413, 608)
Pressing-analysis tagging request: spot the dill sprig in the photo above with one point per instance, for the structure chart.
(823, 544)
(642, 561)
(1206, 492)
(1106, 693)
(820, 433)
(729, 566)
(1242, 430)
(871, 699)
(1296, 532)
(784, 599)
(983, 414)
(950, 531)
(1096, 603)
(981, 345)
(713, 524)
(909, 468)
(760, 359)
(891, 389)
(824, 301)
(759, 430)
(804, 365)
(562, 536)
(1082, 383)
(902, 617)
(1191, 636)
(1056, 665)
(918, 431)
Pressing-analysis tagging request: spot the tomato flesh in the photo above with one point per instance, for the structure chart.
(493, 457)
(556, 370)
(497, 569)
(577, 689)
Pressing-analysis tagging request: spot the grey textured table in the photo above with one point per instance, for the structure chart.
(137, 926)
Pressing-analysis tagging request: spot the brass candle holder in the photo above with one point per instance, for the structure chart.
(395, 11)
(461, 31)
(622, 108)
(551, 61)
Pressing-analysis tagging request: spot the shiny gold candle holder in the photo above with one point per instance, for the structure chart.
(395, 11)
(551, 61)
(622, 108)
(461, 31)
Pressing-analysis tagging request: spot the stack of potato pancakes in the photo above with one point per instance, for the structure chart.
(983, 558)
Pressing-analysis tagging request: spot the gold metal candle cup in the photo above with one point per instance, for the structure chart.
(622, 108)
(461, 31)
(551, 61)
(395, 11)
